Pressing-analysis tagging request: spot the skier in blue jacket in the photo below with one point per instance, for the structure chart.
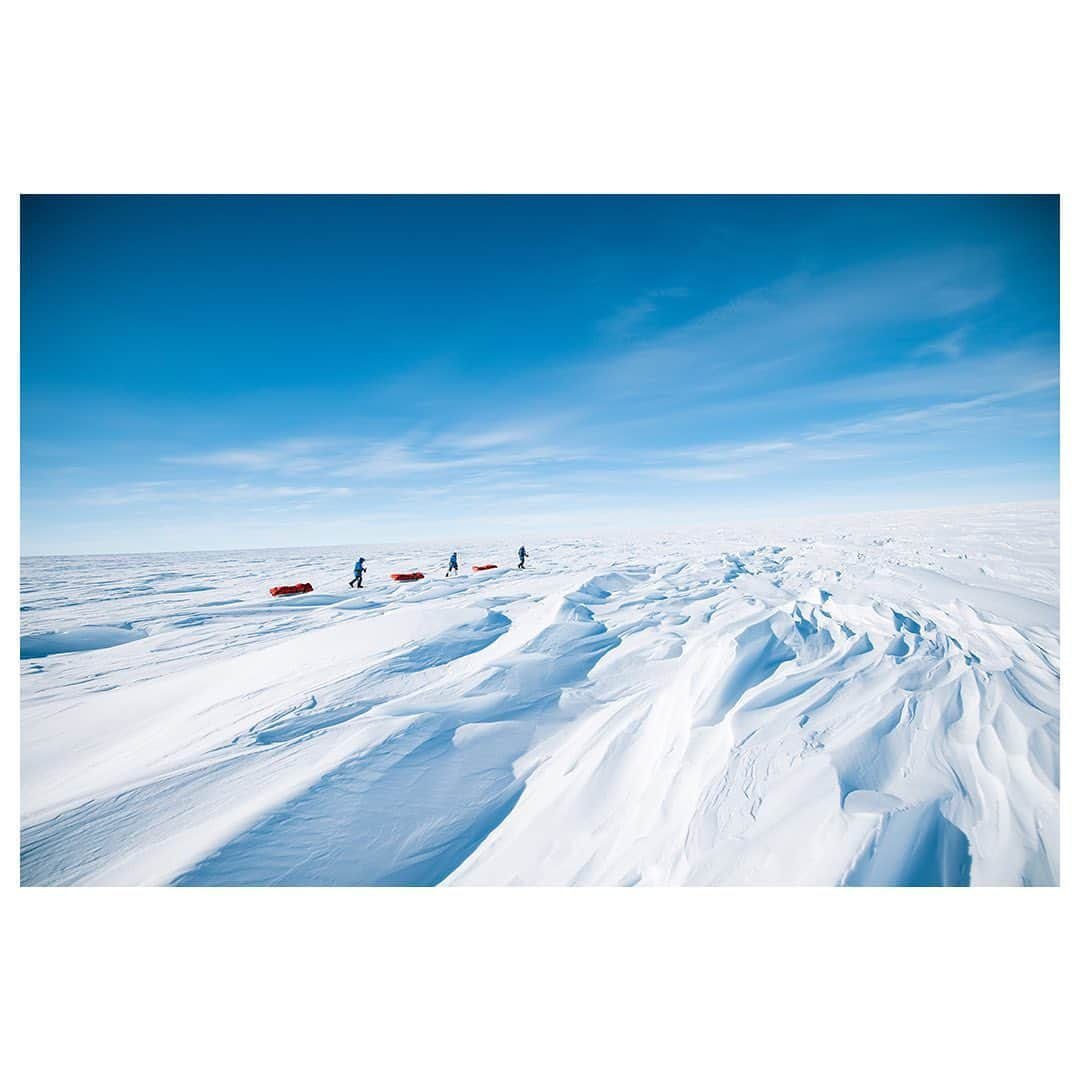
(453, 564)
(522, 556)
(358, 573)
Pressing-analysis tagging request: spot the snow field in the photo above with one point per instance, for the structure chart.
(866, 701)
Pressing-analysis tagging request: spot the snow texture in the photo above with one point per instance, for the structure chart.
(872, 701)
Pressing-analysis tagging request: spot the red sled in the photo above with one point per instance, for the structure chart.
(486, 566)
(414, 576)
(291, 590)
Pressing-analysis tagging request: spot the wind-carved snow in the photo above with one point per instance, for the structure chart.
(865, 702)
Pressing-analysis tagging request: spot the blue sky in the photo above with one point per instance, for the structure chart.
(242, 372)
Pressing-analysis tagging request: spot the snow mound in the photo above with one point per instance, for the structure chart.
(82, 639)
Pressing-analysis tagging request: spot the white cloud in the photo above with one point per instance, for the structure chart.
(122, 494)
(294, 455)
(946, 413)
(695, 473)
(735, 451)
(160, 491)
(630, 317)
(737, 343)
(949, 345)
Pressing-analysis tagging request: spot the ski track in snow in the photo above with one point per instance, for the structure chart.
(871, 701)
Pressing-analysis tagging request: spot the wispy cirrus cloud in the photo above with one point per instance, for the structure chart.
(123, 494)
(509, 454)
(943, 414)
(292, 455)
(950, 345)
(735, 451)
(790, 321)
(521, 434)
(160, 491)
(515, 445)
(765, 342)
(698, 474)
(873, 435)
(630, 317)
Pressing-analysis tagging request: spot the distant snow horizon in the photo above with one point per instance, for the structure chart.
(534, 535)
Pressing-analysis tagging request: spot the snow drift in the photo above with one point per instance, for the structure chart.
(865, 702)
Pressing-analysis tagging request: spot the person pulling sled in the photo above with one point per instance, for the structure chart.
(452, 568)
(358, 574)
(522, 556)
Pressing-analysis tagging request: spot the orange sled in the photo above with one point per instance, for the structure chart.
(486, 566)
(291, 590)
(415, 576)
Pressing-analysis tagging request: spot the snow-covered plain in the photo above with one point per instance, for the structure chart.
(863, 701)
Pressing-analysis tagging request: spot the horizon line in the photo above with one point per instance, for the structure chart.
(737, 521)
